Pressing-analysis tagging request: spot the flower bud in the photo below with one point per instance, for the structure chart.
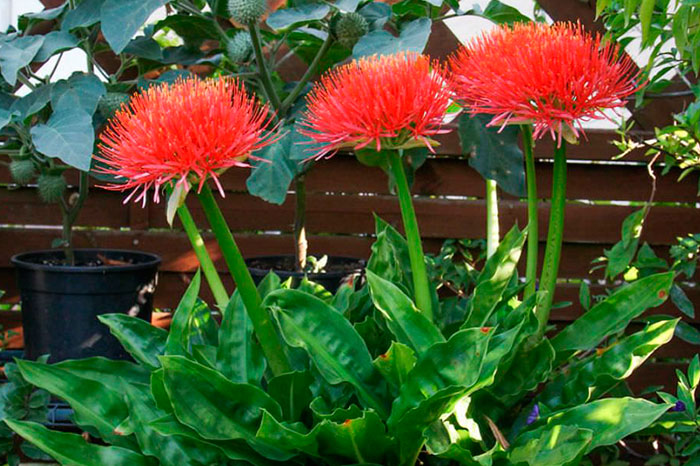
(246, 11)
(349, 28)
(111, 102)
(22, 171)
(239, 47)
(51, 187)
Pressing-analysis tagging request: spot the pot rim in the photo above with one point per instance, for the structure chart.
(302, 274)
(20, 262)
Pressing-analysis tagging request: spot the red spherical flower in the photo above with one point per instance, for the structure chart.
(551, 76)
(184, 133)
(394, 102)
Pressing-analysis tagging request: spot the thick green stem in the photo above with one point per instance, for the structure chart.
(532, 221)
(205, 262)
(70, 211)
(289, 101)
(415, 248)
(552, 254)
(492, 233)
(262, 323)
(262, 66)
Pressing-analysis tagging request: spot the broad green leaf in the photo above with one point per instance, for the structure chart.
(494, 278)
(194, 30)
(85, 14)
(290, 437)
(614, 313)
(556, 446)
(32, 102)
(527, 370)
(121, 19)
(109, 372)
(292, 391)
(5, 117)
(67, 135)
(295, 16)
(333, 344)
(688, 333)
(74, 449)
(390, 259)
(54, 42)
(270, 178)
(94, 404)
(16, 54)
(377, 14)
(396, 364)
(158, 391)
(215, 407)
(584, 296)
(169, 449)
(359, 439)
(412, 38)
(47, 14)
(454, 364)
(493, 151)
(405, 321)
(595, 375)
(236, 450)
(80, 91)
(680, 299)
(145, 47)
(612, 419)
(238, 356)
(178, 337)
(500, 13)
(346, 5)
(143, 341)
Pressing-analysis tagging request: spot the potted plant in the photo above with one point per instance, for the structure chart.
(48, 138)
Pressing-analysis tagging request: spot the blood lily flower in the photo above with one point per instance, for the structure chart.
(554, 77)
(184, 133)
(388, 102)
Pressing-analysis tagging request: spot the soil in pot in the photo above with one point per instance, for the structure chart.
(61, 303)
(338, 270)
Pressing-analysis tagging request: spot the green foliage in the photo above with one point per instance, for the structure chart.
(246, 11)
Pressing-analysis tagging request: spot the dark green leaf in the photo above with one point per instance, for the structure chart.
(143, 341)
(54, 42)
(559, 445)
(687, 332)
(292, 392)
(121, 19)
(614, 313)
(396, 364)
(612, 419)
(16, 54)
(109, 372)
(358, 439)
(145, 47)
(86, 13)
(178, 337)
(32, 102)
(390, 259)
(680, 299)
(215, 407)
(412, 38)
(238, 356)
(494, 278)
(45, 15)
(494, 152)
(270, 178)
(74, 449)
(333, 344)
(500, 13)
(287, 17)
(80, 91)
(376, 14)
(584, 296)
(67, 135)
(404, 320)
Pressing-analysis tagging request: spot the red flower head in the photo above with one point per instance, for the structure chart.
(395, 102)
(552, 76)
(185, 132)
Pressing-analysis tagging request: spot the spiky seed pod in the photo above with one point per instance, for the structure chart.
(239, 47)
(349, 28)
(51, 187)
(111, 102)
(22, 171)
(246, 11)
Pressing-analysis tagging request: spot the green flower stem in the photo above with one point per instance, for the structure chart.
(492, 234)
(552, 254)
(410, 224)
(205, 262)
(262, 323)
(262, 66)
(289, 101)
(532, 221)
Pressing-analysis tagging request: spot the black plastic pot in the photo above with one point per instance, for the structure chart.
(330, 280)
(60, 304)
